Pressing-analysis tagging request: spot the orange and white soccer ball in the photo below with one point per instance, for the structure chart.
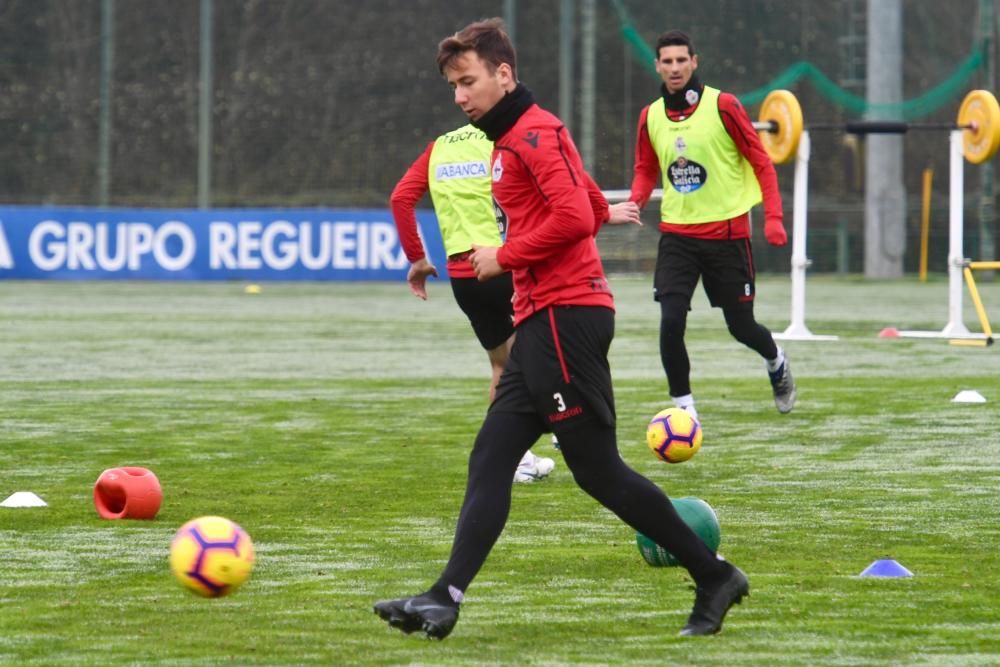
(211, 556)
(673, 435)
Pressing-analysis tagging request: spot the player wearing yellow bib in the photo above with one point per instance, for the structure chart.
(714, 170)
(455, 169)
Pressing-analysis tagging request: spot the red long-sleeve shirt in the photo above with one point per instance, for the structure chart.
(553, 210)
(646, 174)
(403, 202)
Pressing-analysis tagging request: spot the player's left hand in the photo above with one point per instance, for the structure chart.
(484, 262)
(624, 213)
(774, 232)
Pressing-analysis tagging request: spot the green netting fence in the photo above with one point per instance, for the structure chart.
(907, 110)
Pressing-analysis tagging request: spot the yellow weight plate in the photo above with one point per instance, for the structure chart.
(781, 107)
(980, 141)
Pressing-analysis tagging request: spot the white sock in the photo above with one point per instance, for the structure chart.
(528, 459)
(686, 402)
(775, 364)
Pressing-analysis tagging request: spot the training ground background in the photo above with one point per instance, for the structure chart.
(333, 422)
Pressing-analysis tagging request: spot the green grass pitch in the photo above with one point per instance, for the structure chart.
(333, 422)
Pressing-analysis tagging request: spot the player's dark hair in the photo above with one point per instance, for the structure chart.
(674, 38)
(487, 38)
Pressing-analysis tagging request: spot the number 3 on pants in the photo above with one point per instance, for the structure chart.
(560, 403)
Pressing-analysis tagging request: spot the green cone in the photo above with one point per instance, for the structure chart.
(699, 516)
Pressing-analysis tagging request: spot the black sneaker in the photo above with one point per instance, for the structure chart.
(783, 387)
(421, 612)
(712, 602)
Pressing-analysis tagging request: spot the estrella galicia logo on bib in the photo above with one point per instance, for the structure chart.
(501, 218)
(686, 175)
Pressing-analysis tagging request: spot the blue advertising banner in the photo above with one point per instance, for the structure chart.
(66, 243)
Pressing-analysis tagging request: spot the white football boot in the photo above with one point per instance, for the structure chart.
(533, 468)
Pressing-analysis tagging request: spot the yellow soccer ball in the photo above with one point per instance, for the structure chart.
(211, 556)
(673, 435)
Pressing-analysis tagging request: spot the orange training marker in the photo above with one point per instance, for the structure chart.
(127, 493)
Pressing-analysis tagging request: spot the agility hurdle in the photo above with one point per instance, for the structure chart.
(986, 339)
(975, 135)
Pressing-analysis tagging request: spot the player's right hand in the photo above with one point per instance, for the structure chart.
(417, 277)
(484, 262)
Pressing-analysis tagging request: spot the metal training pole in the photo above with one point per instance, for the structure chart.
(205, 88)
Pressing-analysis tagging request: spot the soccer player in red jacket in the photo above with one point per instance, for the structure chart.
(557, 378)
(714, 171)
(454, 169)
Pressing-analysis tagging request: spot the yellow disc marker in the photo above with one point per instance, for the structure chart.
(782, 108)
(981, 111)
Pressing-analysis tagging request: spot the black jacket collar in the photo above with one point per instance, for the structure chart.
(685, 98)
(498, 120)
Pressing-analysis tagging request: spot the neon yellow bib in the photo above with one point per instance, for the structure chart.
(705, 178)
(459, 180)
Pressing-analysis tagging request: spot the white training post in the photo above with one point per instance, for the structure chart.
(955, 328)
(956, 223)
(798, 330)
